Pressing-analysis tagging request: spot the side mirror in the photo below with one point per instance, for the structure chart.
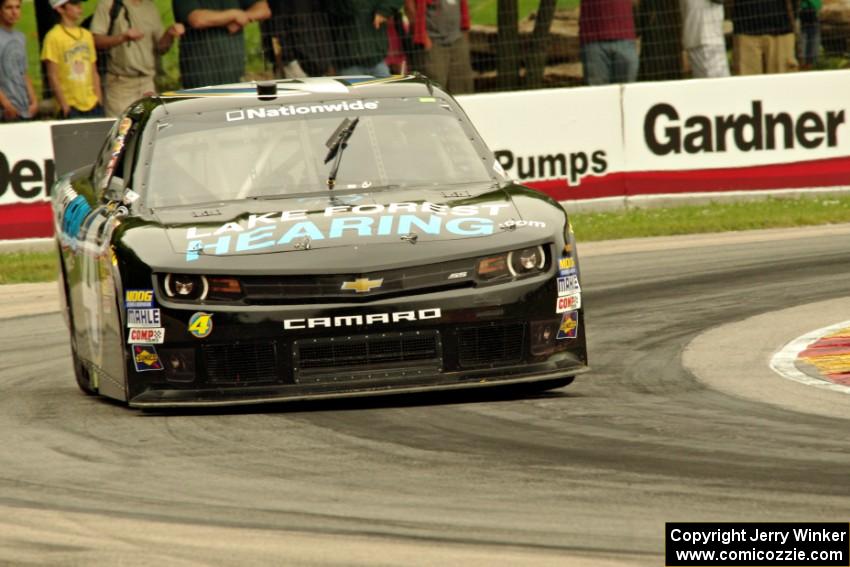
(115, 189)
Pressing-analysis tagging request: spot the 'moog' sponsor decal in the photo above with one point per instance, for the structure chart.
(138, 298)
(151, 336)
(358, 320)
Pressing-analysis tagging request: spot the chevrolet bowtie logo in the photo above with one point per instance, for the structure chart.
(362, 285)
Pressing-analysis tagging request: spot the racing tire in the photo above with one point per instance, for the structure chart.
(83, 377)
(82, 374)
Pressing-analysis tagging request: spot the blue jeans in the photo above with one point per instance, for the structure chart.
(379, 70)
(808, 42)
(607, 62)
(95, 112)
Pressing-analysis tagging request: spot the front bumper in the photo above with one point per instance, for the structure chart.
(502, 335)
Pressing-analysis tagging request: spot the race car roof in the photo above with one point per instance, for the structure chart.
(301, 90)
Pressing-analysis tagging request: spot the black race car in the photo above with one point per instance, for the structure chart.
(310, 239)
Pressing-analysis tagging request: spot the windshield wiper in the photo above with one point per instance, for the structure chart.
(336, 144)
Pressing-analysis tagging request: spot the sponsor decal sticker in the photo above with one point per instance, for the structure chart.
(146, 358)
(511, 224)
(293, 110)
(201, 325)
(150, 336)
(568, 303)
(568, 285)
(138, 298)
(283, 228)
(143, 318)
(569, 326)
(566, 263)
(359, 320)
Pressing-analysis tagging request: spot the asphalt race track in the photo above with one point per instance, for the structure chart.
(584, 475)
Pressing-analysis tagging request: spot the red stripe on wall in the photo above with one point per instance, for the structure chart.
(26, 220)
(815, 174)
(820, 173)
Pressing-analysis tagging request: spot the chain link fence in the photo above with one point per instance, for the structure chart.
(661, 40)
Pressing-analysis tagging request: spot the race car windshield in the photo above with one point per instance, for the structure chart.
(279, 150)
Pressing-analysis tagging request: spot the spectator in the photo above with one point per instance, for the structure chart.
(763, 41)
(134, 39)
(702, 38)
(17, 97)
(808, 48)
(303, 32)
(361, 37)
(213, 49)
(68, 52)
(607, 40)
(441, 31)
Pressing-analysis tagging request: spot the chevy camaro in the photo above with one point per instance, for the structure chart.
(310, 239)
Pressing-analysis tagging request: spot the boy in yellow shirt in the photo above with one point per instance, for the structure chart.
(70, 57)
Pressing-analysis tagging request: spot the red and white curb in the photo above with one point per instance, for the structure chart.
(820, 349)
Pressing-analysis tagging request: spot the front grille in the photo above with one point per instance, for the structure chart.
(240, 363)
(365, 356)
(490, 345)
(328, 288)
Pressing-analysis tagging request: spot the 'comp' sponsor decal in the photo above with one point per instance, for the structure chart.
(358, 320)
(568, 303)
(201, 325)
(138, 298)
(146, 358)
(569, 326)
(151, 336)
(143, 318)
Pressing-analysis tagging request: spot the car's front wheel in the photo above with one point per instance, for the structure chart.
(82, 374)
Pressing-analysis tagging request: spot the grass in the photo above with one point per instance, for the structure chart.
(715, 217)
(689, 219)
(26, 267)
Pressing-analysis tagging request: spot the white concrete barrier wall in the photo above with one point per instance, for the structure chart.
(681, 139)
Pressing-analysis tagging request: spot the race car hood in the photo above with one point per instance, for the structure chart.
(389, 216)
